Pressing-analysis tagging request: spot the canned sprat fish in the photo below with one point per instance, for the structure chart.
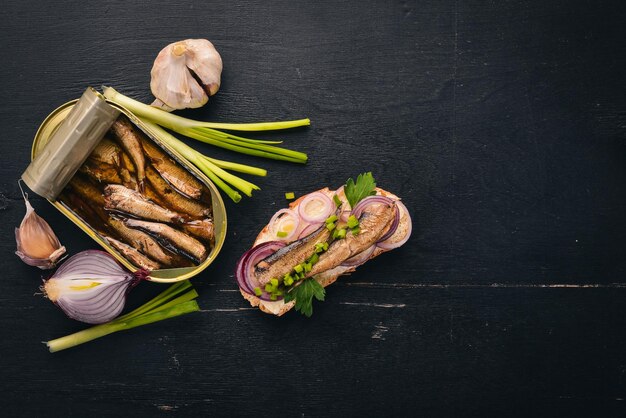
(143, 203)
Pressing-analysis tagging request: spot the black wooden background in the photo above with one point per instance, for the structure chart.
(502, 124)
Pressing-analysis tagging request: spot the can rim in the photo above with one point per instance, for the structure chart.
(45, 122)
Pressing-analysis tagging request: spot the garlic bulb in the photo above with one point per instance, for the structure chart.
(185, 74)
(37, 244)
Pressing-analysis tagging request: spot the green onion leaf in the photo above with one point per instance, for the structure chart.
(352, 222)
(206, 132)
(176, 300)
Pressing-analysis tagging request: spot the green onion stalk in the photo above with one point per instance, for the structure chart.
(177, 300)
(214, 169)
(208, 131)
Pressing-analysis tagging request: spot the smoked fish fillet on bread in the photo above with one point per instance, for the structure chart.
(325, 278)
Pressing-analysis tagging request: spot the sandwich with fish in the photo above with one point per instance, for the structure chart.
(321, 236)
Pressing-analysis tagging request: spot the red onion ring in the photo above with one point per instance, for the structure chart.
(379, 200)
(390, 243)
(245, 267)
(360, 258)
(279, 216)
(394, 225)
(370, 200)
(328, 207)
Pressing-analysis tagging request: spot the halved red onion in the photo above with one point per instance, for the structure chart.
(360, 258)
(286, 221)
(370, 200)
(393, 241)
(90, 287)
(316, 207)
(245, 267)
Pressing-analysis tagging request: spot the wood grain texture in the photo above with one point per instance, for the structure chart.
(501, 124)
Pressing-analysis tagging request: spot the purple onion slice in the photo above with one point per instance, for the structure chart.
(245, 267)
(315, 207)
(393, 226)
(395, 241)
(284, 225)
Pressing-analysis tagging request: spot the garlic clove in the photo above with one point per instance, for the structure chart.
(185, 74)
(37, 244)
(206, 64)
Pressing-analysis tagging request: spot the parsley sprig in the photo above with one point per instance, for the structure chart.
(304, 293)
(365, 186)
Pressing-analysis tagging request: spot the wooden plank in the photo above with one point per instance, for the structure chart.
(431, 351)
(500, 124)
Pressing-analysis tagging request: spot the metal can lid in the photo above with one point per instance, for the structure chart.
(70, 145)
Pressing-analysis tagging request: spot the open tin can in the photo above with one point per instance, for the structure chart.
(59, 159)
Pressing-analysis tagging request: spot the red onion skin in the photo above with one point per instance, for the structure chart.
(244, 272)
(370, 200)
(239, 275)
(100, 306)
(394, 225)
(108, 259)
(104, 313)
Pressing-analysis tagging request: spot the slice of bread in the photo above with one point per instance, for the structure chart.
(330, 276)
